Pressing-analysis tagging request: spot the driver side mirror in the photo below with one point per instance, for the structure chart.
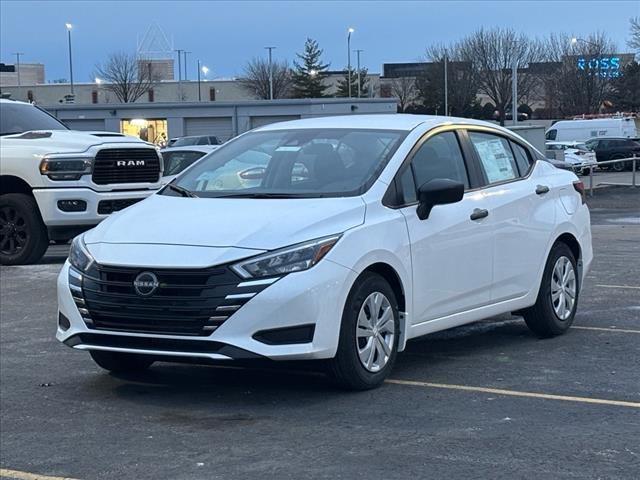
(439, 191)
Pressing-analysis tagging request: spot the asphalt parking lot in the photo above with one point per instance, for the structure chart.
(488, 400)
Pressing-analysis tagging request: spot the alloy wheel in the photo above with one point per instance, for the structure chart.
(375, 332)
(13, 231)
(563, 288)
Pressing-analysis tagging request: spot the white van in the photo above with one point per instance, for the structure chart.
(583, 130)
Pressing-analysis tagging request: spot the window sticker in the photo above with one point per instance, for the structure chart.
(495, 160)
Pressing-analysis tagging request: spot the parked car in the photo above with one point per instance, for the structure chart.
(614, 149)
(176, 159)
(576, 154)
(194, 140)
(56, 183)
(583, 130)
(363, 232)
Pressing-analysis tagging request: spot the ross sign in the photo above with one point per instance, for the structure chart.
(606, 67)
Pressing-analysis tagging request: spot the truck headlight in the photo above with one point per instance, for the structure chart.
(65, 168)
(290, 259)
(79, 256)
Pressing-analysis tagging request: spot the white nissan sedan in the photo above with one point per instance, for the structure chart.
(337, 239)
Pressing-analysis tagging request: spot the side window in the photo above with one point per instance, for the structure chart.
(551, 134)
(440, 157)
(407, 187)
(495, 156)
(522, 158)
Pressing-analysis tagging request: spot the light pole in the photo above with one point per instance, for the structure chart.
(446, 83)
(358, 52)
(204, 69)
(69, 28)
(270, 72)
(349, 32)
(575, 40)
(199, 90)
(185, 64)
(179, 52)
(18, 55)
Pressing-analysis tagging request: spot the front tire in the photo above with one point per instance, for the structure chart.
(118, 362)
(369, 335)
(557, 301)
(23, 235)
(620, 166)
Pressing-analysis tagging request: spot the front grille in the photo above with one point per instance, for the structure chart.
(126, 165)
(186, 302)
(106, 207)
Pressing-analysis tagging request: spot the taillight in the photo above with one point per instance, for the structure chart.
(579, 187)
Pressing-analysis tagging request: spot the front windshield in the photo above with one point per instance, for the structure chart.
(20, 118)
(294, 163)
(185, 142)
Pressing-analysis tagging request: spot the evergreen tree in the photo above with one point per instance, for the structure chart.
(343, 84)
(309, 73)
(626, 89)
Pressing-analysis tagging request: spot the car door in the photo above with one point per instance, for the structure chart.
(451, 253)
(520, 202)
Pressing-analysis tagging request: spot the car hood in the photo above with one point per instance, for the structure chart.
(257, 224)
(66, 141)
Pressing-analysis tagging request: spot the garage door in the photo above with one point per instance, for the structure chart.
(220, 127)
(85, 124)
(266, 120)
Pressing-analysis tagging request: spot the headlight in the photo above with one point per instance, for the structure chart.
(68, 168)
(291, 259)
(79, 256)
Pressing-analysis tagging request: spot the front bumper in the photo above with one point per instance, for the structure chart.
(314, 297)
(53, 216)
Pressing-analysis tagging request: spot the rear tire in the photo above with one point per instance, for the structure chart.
(620, 166)
(557, 301)
(370, 318)
(23, 235)
(118, 362)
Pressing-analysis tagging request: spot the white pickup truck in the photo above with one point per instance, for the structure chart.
(56, 183)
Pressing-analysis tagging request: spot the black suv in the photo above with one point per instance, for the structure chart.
(613, 149)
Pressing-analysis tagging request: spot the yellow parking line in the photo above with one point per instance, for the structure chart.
(619, 286)
(18, 475)
(515, 393)
(602, 329)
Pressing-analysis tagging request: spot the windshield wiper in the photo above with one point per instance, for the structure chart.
(182, 191)
(265, 195)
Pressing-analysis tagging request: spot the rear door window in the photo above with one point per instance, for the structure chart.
(496, 158)
(551, 134)
(523, 159)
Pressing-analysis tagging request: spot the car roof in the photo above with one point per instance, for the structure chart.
(192, 148)
(386, 121)
(9, 100)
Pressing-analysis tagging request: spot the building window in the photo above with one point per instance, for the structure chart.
(151, 95)
(30, 95)
(94, 96)
(212, 94)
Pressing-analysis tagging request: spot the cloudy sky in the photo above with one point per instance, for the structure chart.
(224, 35)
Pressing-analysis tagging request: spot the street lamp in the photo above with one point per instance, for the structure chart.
(270, 73)
(349, 32)
(574, 41)
(313, 72)
(18, 55)
(69, 28)
(98, 81)
(446, 83)
(204, 70)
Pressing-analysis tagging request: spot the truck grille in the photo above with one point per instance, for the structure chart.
(186, 302)
(107, 207)
(126, 165)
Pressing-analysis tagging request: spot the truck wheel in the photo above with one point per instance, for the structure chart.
(620, 166)
(23, 235)
(369, 335)
(118, 362)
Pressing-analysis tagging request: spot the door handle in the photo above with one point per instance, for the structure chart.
(479, 213)
(542, 189)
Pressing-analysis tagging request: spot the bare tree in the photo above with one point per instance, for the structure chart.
(493, 53)
(574, 83)
(404, 89)
(634, 41)
(256, 78)
(126, 76)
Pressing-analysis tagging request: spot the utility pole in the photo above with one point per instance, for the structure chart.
(18, 55)
(349, 32)
(358, 51)
(179, 73)
(69, 28)
(446, 84)
(270, 72)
